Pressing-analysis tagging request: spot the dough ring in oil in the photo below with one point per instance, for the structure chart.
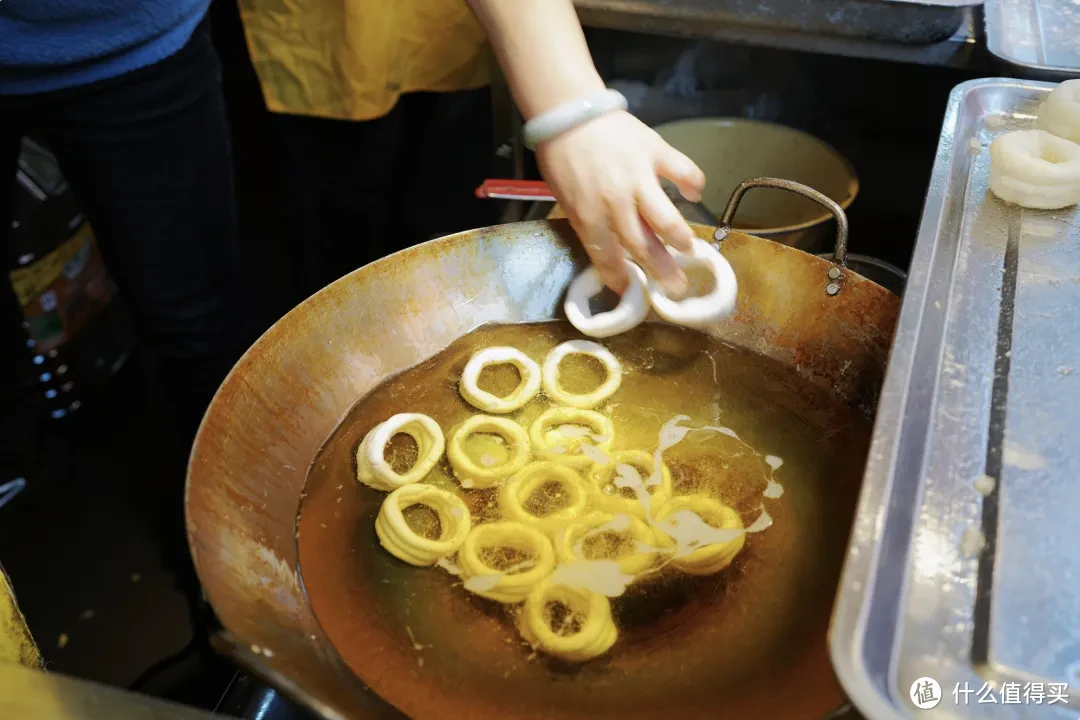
(595, 634)
(607, 496)
(403, 543)
(711, 549)
(499, 585)
(709, 308)
(1035, 169)
(599, 430)
(371, 466)
(516, 492)
(588, 400)
(525, 391)
(631, 311)
(638, 550)
(1060, 114)
(472, 474)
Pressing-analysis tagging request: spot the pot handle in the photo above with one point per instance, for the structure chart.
(839, 252)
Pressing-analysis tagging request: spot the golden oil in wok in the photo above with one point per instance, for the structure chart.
(747, 642)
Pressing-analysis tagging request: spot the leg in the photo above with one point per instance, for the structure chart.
(338, 191)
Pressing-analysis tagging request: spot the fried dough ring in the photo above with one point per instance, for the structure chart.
(471, 474)
(707, 558)
(405, 544)
(581, 347)
(601, 477)
(525, 391)
(600, 425)
(711, 307)
(631, 311)
(596, 635)
(570, 536)
(509, 587)
(521, 486)
(371, 466)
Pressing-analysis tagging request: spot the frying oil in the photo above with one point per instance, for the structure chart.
(786, 455)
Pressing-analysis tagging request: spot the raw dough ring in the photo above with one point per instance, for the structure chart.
(1060, 114)
(403, 543)
(594, 638)
(471, 474)
(509, 588)
(371, 466)
(635, 562)
(711, 307)
(706, 559)
(525, 391)
(600, 425)
(602, 476)
(1035, 169)
(516, 492)
(631, 311)
(581, 347)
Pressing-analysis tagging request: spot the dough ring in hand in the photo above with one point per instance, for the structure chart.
(581, 347)
(525, 391)
(615, 489)
(706, 534)
(373, 470)
(506, 585)
(472, 474)
(1060, 114)
(711, 307)
(405, 544)
(631, 311)
(515, 494)
(622, 538)
(1035, 169)
(562, 434)
(587, 629)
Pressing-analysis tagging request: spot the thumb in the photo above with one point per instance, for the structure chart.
(681, 170)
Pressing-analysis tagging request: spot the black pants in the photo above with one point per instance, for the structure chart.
(148, 156)
(358, 191)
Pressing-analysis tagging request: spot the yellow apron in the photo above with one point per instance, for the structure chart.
(352, 59)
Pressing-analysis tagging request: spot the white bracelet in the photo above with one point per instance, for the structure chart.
(568, 116)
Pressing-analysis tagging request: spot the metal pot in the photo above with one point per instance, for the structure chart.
(291, 389)
(883, 273)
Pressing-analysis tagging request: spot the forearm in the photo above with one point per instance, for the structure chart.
(542, 51)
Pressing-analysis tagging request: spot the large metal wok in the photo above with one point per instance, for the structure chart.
(285, 397)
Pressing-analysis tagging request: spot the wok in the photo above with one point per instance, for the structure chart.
(286, 395)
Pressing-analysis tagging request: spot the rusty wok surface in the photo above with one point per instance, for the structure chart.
(292, 388)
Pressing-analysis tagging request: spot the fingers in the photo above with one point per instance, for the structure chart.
(681, 170)
(647, 249)
(663, 217)
(602, 246)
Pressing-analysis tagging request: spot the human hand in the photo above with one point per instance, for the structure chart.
(606, 176)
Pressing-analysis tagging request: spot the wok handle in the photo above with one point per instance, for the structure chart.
(839, 252)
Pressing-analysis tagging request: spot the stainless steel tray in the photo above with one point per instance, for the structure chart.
(1039, 37)
(919, 22)
(984, 378)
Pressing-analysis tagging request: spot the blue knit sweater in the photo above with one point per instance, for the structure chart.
(52, 44)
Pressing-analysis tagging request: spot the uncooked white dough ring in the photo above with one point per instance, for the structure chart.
(470, 473)
(712, 307)
(631, 311)
(502, 586)
(371, 466)
(581, 347)
(1035, 169)
(708, 558)
(403, 543)
(1060, 114)
(525, 391)
(597, 631)
(601, 431)
(516, 492)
